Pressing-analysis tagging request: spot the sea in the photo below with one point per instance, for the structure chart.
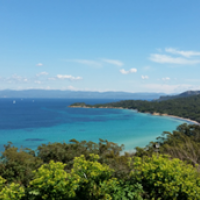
(32, 122)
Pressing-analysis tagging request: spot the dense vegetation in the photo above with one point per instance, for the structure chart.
(95, 171)
(187, 107)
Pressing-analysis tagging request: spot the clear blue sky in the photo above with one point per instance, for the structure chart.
(100, 45)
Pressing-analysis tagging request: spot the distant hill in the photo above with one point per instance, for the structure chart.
(184, 94)
(76, 94)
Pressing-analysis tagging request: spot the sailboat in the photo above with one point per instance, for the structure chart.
(14, 102)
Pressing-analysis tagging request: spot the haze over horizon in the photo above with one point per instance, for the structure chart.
(131, 46)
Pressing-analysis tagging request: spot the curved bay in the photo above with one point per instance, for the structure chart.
(30, 124)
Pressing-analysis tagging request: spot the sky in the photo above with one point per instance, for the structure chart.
(100, 45)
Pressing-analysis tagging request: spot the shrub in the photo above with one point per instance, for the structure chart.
(97, 182)
(165, 178)
(10, 192)
(88, 179)
(53, 183)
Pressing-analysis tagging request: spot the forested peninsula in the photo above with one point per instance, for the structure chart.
(186, 107)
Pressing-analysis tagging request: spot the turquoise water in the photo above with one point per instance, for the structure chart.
(30, 123)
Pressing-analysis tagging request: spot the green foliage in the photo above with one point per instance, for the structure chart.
(10, 192)
(109, 152)
(53, 183)
(156, 177)
(2, 182)
(88, 179)
(166, 179)
(127, 190)
(183, 143)
(65, 153)
(97, 182)
(95, 178)
(18, 164)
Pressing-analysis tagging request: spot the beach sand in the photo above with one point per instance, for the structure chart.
(176, 117)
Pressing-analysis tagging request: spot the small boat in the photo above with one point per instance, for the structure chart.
(14, 102)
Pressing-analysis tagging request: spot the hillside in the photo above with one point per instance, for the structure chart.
(186, 107)
(184, 94)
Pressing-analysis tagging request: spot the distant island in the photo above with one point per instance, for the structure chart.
(68, 94)
(184, 107)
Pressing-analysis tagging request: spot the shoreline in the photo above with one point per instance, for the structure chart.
(177, 117)
(155, 113)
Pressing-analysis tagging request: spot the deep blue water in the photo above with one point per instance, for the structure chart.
(29, 123)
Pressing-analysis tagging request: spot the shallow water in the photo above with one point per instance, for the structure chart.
(31, 123)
